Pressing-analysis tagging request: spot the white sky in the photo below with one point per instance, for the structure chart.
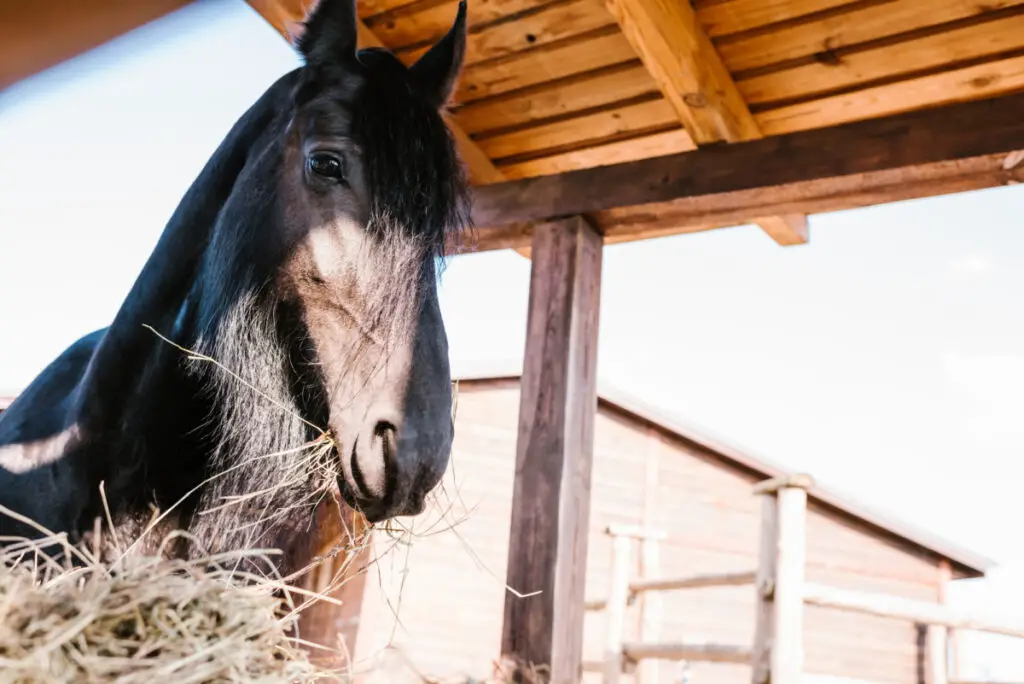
(886, 357)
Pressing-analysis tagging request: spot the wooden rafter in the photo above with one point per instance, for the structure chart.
(675, 50)
(955, 148)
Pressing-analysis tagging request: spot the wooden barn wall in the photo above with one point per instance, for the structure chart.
(447, 586)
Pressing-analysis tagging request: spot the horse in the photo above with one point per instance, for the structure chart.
(284, 338)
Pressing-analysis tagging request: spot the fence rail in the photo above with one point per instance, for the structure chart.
(780, 593)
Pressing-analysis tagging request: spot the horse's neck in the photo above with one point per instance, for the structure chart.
(159, 299)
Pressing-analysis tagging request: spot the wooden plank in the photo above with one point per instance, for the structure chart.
(991, 79)
(765, 584)
(35, 36)
(849, 68)
(686, 68)
(787, 651)
(555, 22)
(804, 164)
(631, 120)
(717, 579)
(551, 495)
(842, 30)
(632, 149)
(701, 653)
(724, 17)
(694, 80)
(846, 192)
(899, 608)
(537, 105)
(588, 52)
(615, 612)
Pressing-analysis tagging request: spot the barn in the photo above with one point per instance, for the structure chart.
(656, 473)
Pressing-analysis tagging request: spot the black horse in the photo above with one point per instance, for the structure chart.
(285, 334)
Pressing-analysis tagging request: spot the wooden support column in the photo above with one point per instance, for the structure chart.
(778, 640)
(551, 497)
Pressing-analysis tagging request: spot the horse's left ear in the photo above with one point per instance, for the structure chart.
(330, 34)
(437, 71)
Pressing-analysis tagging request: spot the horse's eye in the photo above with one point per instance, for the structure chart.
(327, 165)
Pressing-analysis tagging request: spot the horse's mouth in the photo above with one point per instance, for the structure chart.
(357, 493)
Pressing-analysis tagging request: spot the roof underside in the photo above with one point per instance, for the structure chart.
(558, 85)
(554, 86)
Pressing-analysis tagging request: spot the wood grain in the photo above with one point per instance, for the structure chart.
(587, 52)
(695, 82)
(551, 495)
(724, 17)
(838, 31)
(529, 31)
(686, 67)
(800, 163)
(844, 69)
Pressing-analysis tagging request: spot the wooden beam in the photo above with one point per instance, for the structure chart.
(907, 155)
(909, 610)
(551, 496)
(719, 579)
(702, 653)
(691, 75)
(36, 35)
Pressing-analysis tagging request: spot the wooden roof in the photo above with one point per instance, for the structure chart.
(966, 563)
(556, 86)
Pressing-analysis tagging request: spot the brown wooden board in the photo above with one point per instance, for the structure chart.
(799, 160)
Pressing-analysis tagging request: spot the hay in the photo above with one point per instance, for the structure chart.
(142, 620)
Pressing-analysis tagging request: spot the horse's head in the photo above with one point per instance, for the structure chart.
(365, 191)
(375, 188)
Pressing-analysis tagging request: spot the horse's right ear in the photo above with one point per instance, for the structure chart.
(330, 34)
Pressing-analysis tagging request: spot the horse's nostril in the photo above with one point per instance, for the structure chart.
(373, 463)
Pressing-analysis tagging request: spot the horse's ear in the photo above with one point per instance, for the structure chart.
(330, 34)
(437, 71)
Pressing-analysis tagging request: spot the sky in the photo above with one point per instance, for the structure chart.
(885, 357)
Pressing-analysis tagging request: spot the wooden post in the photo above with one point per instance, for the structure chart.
(615, 612)
(765, 585)
(551, 496)
(780, 627)
(651, 609)
(939, 636)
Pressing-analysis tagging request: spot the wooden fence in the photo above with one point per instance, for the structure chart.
(776, 655)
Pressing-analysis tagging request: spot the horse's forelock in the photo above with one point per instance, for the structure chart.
(413, 173)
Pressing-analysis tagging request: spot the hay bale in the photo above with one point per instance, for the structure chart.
(142, 620)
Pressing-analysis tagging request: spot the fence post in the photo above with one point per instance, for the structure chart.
(940, 637)
(615, 610)
(778, 638)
